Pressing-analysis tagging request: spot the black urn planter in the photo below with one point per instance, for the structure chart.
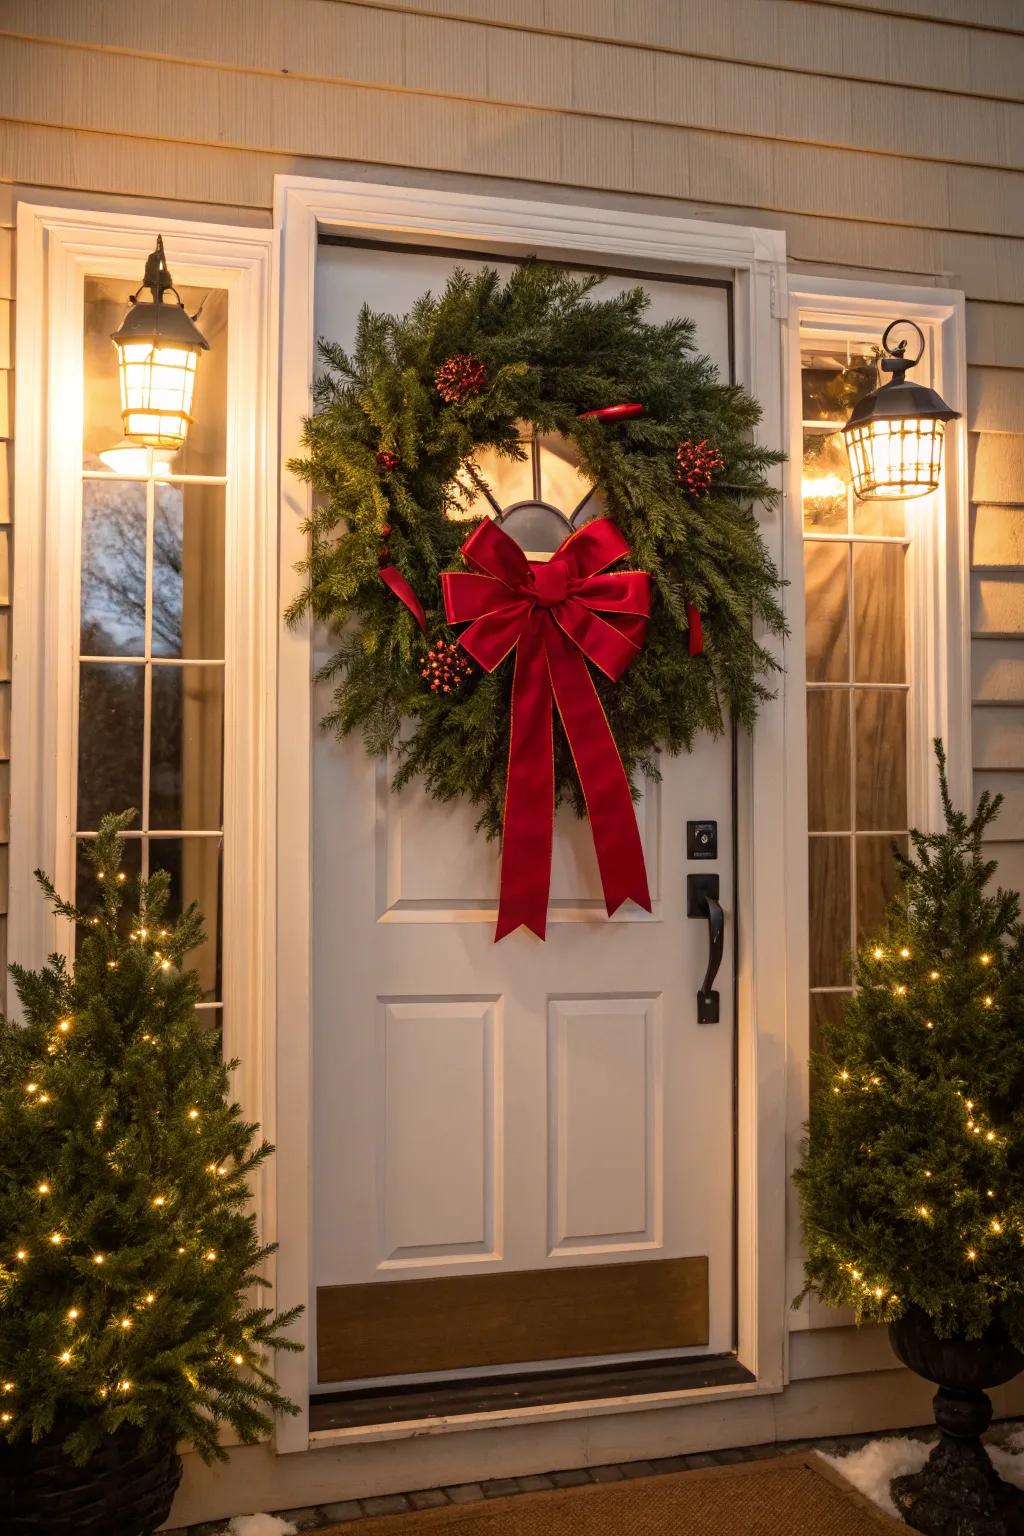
(122, 1491)
(958, 1491)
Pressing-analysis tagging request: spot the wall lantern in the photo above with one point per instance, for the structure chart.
(894, 434)
(158, 347)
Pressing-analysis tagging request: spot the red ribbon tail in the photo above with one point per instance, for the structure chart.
(392, 577)
(529, 793)
(620, 853)
(696, 631)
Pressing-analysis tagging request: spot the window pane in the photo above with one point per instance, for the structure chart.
(186, 761)
(834, 377)
(884, 517)
(828, 760)
(826, 582)
(508, 480)
(824, 482)
(877, 882)
(878, 613)
(113, 600)
(110, 712)
(881, 731)
(194, 865)
(830, 910)
(562, 483)
(188, 571)
(205, 448)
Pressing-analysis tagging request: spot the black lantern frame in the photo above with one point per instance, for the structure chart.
(894, 434)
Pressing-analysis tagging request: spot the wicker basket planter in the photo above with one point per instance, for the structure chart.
(122, 1491)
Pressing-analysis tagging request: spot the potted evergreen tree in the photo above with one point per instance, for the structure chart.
(128, 1250)
(912, 1182)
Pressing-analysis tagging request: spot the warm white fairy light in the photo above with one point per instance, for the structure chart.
(124, 1386)
(904, 953)
(56, 1238)
(928, 1024)
(44, 1098)
(971, 1254)
(927, 1173)
(193, 1114)
(43, 1188)
(933, 975)
(99, 1258)
(65, 1357)
(990, 1135)
(878, 952)
(8, 1386)
(21, 1255)
(995, 1226)
(985, 959)
(924, 1212)
(73, 1314)
(238, 1359)
(99, 1124)
(159, 1200)
(900, 989)
(987, 1002)
(149, 1298)
(5, 1418)
(31, 1087)
(126, 1322)
(210, 1255)
(64, 1026)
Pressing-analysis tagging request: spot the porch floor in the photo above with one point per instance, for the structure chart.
(316, 1517)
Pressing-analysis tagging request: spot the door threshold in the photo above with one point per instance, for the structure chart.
(345, 1412)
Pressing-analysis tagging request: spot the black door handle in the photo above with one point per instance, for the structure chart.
(702, 901)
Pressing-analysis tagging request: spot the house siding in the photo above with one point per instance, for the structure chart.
(884, 137)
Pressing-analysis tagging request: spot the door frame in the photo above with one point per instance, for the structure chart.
(771, 966)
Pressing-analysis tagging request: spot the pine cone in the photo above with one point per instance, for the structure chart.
(696, 466)
(461, 376)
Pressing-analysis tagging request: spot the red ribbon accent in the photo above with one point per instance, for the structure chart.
(693, 619)
(392, 577)
(611, 413)
(547, 612)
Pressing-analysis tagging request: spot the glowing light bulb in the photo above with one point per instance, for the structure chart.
(99, 1258)
(159, 1200)
(124, 1386)
(985, 959)
(971, 1254)
(904, 953)
(56, 1238)
(193, 1114)
(927, 1173)
(969, 1103)
(929, 1024)
(923, 1212)
(900, 990)
(987, 1002)
(8, 1386)
(43, 1188)
(99, 1124)
(126, 1322)
(31, 1087)
(44, 1098)
(879, 1292)
(933, 975)
(990, 1135)
(21, 1255)
(5, 1418)
(121, 877)
(64, 1026)
(991, 1193)
(149, 1298)
(210, 1255)
(996, 1226)
(844, 1075)
(73, 1314)
(878, 952)
(65, 1357)
(181, 1250)
(238, 1359)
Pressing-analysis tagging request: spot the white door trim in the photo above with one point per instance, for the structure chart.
(754, 259)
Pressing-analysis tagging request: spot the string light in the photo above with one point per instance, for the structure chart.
(995, 1226)
(927, 1173)
(990, 1135)
(43, 1188)
(31, 1087)
(878, 952)
(5, 1418)
(44, 1098)
(900, 990)
(65, 1357)
(126, 1322)
(149, 1298)
(928, 1024)
(238, 1359)
(193, 1114)
(985, 959)
(210, 1255)
(21, 1255)
(56, 1238)
(924, 1212)
(64, 1026)
(987, 1002)
(124, 1386)
(99, 1258)
(971, 1254)
(8, 1386)
(99, 1124)
(73, 1314)
(933, 975)
(905, 953)
(159, 1200)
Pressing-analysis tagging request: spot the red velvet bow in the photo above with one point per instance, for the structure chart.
(548, 613)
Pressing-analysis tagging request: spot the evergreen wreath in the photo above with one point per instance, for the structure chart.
(415, 402)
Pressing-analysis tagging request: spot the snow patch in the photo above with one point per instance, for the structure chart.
(260, 1525)
(873, 1467)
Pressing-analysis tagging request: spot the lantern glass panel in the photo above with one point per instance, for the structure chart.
(895, 458)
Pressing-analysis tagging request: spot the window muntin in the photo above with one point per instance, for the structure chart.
(856, 564)
(151, 652)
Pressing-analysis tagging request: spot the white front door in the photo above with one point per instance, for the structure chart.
(517, 1108)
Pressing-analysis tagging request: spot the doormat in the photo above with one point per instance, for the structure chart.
(790, 1496)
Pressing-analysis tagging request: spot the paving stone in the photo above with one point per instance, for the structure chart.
(669, 1464)
(698, 1460)
(607, 1474)
(386, 1504)
(348, 1509)
(499, 1487)
(534, 1482)
(572, 1477)
(464, 1493)
(428, 1498)
(637, 1469)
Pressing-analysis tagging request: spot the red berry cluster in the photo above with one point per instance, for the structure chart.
(386, 460)
(697, 464)
(445, 666)
(461, 376)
